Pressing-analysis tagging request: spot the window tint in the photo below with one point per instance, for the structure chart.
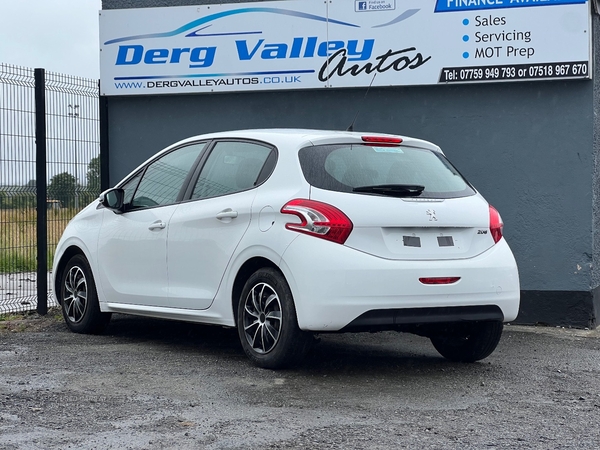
(164, 178)
(344, 167)
(231, 167)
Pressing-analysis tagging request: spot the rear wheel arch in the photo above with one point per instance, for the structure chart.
(245, 271)
(267, 324)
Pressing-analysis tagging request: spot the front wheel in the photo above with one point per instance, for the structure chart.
(79, 299)
(267, 323)
(468, 342)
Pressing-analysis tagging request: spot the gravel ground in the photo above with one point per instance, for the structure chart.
(151, 384)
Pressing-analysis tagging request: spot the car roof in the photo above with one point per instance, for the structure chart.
(295, 138)
(299, 137)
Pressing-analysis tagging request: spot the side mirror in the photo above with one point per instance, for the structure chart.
(113, 199)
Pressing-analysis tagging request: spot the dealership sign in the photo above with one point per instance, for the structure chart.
(304, 44)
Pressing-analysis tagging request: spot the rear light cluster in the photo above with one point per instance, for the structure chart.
(496, 224)
(318, 219)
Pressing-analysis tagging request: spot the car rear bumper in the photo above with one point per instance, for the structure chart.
(334, 285)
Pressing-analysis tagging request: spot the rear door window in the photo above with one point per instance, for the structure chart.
(343, 168)
(232, 166)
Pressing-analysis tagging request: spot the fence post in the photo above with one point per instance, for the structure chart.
(40, 176)
(103, 116)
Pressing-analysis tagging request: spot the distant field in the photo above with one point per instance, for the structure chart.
(18, 237)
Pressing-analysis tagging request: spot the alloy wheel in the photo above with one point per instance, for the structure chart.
(262, 318)
(75, 294)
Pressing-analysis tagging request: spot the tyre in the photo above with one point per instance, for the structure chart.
(79, 299)
(267, 323)
(468, 342)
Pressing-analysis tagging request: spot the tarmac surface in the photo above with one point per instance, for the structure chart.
(152, 384)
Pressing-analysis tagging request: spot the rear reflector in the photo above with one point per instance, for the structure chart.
(382, 140)
(439, 280)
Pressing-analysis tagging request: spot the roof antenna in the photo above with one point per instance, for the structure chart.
(351, 127)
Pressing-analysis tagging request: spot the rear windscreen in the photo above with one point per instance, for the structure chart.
(345, 167)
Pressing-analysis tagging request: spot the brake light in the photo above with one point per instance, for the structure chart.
(382, 140)
(496, 224)
(318, 219)
(439, 280)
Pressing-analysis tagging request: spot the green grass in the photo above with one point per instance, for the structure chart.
(10, 316)
(30, 320)
(18, 238)
(21, 260)
(12, 261)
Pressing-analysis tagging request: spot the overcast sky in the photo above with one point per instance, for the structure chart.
(57, 35)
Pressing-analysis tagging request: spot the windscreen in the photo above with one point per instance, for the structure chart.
(344, 168)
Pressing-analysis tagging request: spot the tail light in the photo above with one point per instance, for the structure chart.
(496, 224)
(318, 219)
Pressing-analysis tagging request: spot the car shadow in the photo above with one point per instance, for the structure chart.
(338, 353)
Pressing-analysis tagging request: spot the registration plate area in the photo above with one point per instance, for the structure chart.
(428, 242)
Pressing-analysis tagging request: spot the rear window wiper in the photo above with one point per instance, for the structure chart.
(394, 190)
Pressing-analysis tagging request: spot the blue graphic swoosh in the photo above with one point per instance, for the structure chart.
(405, 15)
(203, 20)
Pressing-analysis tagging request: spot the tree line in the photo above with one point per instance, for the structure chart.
(63, 188)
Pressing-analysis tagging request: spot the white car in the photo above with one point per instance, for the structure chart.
(287, 233)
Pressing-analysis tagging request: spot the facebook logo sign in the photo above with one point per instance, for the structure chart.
(378, 5)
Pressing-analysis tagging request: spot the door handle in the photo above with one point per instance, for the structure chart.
(158, 225)
(227, 214)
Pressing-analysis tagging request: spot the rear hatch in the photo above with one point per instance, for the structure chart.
(405, 202)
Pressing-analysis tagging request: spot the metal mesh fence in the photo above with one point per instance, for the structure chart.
(17, 189)
(73, 172)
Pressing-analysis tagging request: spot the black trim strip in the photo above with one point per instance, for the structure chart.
(414, 316)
